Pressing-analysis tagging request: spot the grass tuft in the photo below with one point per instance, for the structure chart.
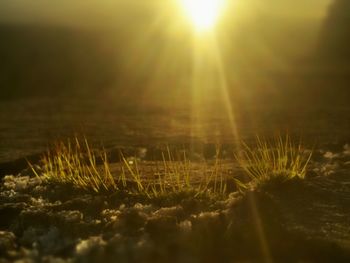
(74, 162)
(277, 158)
(175, 175)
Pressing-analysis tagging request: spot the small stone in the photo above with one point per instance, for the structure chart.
(7, 242)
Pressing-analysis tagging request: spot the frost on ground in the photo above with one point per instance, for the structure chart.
(55, 223)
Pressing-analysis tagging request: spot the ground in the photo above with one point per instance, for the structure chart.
(295, 221)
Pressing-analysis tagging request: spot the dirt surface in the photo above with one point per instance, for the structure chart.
(299, 220)
(29, 125)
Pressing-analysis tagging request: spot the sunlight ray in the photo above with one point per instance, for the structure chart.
(225, 96)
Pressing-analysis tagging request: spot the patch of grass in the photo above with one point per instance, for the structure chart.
(278, 158)
(74, 162)
(174, 175)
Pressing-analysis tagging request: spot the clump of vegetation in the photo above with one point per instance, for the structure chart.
(278, 158)
(175, 175)
(74, 163)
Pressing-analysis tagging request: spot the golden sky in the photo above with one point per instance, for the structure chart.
(114, 12)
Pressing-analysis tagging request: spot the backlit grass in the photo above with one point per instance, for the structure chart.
(75, 163)
(276, 158)
(174, 175)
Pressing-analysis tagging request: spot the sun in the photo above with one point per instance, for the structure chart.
(203, 13)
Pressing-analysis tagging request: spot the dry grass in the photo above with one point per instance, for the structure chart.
(174, 174)
(277, 158)
(74, 162)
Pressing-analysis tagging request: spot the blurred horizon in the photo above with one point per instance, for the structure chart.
(135, 72)
(117, 47)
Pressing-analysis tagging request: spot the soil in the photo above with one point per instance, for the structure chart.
(293, 221)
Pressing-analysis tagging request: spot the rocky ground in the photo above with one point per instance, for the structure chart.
(295, 221)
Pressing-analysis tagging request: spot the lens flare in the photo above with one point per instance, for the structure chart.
(204, 14)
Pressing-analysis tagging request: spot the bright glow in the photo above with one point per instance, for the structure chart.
(203, 13)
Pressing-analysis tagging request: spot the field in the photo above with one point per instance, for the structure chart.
(186, 131)
(218, 215)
